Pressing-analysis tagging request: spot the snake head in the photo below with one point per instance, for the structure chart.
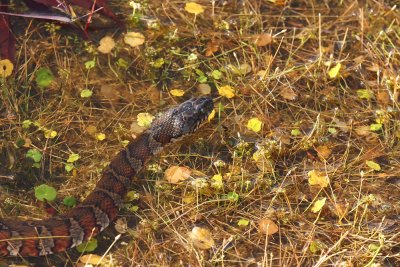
(181, 120)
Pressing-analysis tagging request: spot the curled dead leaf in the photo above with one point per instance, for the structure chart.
(263, 39)
(177, 174)
(267, 226)
(134, 38)
(92, 259)
(211, 48)
(106, 45)
(323, 152)
(201, 238)
(288, 93)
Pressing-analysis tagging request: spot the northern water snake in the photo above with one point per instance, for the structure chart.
(100, 208)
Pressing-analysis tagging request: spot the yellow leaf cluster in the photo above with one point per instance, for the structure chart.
(144, 119)
(316, 178)
(216, 181)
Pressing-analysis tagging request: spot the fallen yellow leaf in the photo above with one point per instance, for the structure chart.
(134, 38)
(226, 91)
(254, 125)
(316, 178)
(211, 116)
(6, 68)
(333, 72)
(177, 92)
(194, 8)
(373, 165)
(318, 205)
(100, 136)
(201, 238)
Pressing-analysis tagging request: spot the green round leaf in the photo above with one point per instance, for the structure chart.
(44, 77)
(90, 64)
(88, 246)
(232, 196)
(69, 201)
(34, 154)
(44, 191)
(19, 142)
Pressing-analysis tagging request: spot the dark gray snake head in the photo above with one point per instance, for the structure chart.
(181, 120)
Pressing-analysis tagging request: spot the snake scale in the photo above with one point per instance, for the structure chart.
(32, 238)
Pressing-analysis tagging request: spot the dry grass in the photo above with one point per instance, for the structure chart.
(359, 224)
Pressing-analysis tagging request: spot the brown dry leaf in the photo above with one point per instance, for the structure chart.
(211, 48)
(204, 88)
(28, 142)
(267, 226)
(109, 92)
(91, 129)
(177, 174)
(340, 209)
(106, 45)
(363, 130)
(134, 38)
(288, 93)
(323, 152)
(383, 97)
(263, 39)
(375, 67)
(92, 259)
(201, 238)
(342, 125)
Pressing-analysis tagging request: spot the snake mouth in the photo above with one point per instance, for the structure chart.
(202, 107)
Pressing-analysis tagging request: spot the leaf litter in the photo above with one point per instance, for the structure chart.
(316, 167)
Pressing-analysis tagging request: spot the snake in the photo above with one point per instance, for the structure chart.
(34, 238)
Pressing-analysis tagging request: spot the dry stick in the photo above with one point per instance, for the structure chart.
(325, 257)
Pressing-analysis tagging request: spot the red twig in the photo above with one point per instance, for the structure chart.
(89, 20)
